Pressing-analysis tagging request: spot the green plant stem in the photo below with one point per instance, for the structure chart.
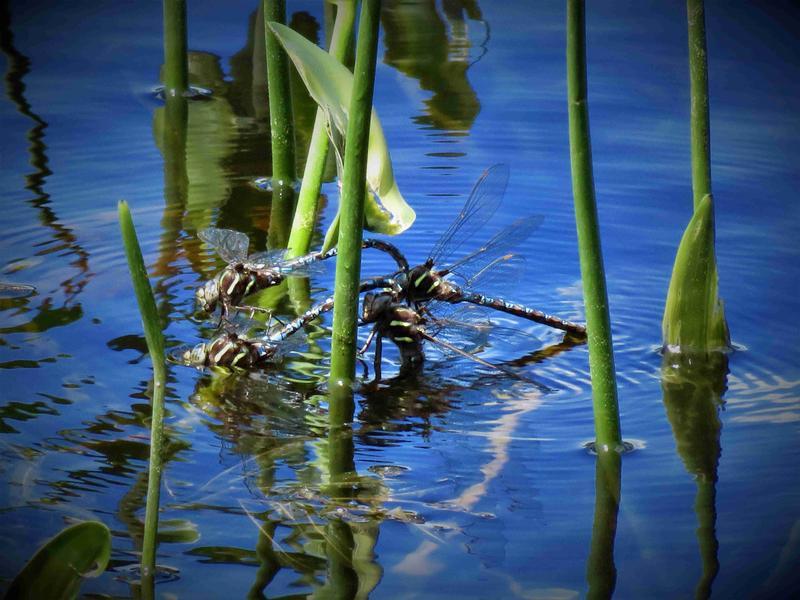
(176, 70)
(698, 76)
(280, 100)
(595, 296)
(305, 216)
(348, 263)
(155, 346)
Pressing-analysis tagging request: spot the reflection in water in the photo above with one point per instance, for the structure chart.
(63, 241)
(693, 387)
(601, 572)
(436, 51)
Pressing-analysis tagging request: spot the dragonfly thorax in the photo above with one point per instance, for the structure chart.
(423, 283)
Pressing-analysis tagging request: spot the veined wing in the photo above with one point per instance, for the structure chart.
(498, 250)
(229, 244)
(483, 202)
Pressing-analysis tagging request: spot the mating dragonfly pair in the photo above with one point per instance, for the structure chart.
(427, 302)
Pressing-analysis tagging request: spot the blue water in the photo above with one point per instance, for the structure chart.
(470, 482)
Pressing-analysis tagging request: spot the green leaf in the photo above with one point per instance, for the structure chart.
(57, 568)
(330, 84)
(694, 319)
(141, 286)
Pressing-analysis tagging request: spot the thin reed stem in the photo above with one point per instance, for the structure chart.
(348, 263)
(595, 296)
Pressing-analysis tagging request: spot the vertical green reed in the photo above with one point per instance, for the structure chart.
(595, 296)
(348, 263)
(280, 100)
(694, 316)
(155, 346)
(305, 216)
(176, 69)
(698, 76)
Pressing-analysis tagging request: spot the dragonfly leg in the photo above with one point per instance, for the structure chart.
(370, 337)
(378, 354)
(254, 309)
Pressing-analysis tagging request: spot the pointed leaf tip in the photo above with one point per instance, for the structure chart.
(330, 84)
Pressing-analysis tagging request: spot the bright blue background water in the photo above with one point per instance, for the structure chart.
(492, 468)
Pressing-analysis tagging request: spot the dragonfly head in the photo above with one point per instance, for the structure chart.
(196, 356)
(207, 295)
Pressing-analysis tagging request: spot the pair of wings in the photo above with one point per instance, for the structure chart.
(232, 247)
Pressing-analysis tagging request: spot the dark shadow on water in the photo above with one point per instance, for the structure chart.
(693, 388)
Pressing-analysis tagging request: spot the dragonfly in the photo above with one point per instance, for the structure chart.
(442, 278)
(246, 274)
(408, 328)
(235, 346)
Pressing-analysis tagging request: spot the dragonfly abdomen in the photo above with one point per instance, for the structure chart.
(524, 312)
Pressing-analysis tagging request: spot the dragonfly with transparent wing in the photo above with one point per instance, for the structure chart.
(237, 346)
(249, 273)
(445, 278)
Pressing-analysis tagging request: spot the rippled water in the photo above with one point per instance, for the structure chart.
(467, 481)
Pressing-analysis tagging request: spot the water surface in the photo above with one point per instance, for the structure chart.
(468, 482)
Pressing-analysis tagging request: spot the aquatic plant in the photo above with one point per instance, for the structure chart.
(305, 215)
(60, 565)
(595, 296)
(352, 204)
(281, 127)
(176, 70)
(694, 318)
(155, 346)
(330, 84)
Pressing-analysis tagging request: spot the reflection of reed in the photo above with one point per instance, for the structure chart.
(693, 387)
(601, 572)
(64, 240)
(417, 44)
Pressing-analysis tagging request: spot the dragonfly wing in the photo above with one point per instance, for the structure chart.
(287, 345)
(495, 252)
(266, 259)
(229, 244)
(483, 202)
(463, 328)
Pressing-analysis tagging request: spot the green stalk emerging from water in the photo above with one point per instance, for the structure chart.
(694, 318)
(595, 296)
(176, 70)
(155, 346)
(698, 76)
(305, 216)
(280, 99)
(348, 263)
